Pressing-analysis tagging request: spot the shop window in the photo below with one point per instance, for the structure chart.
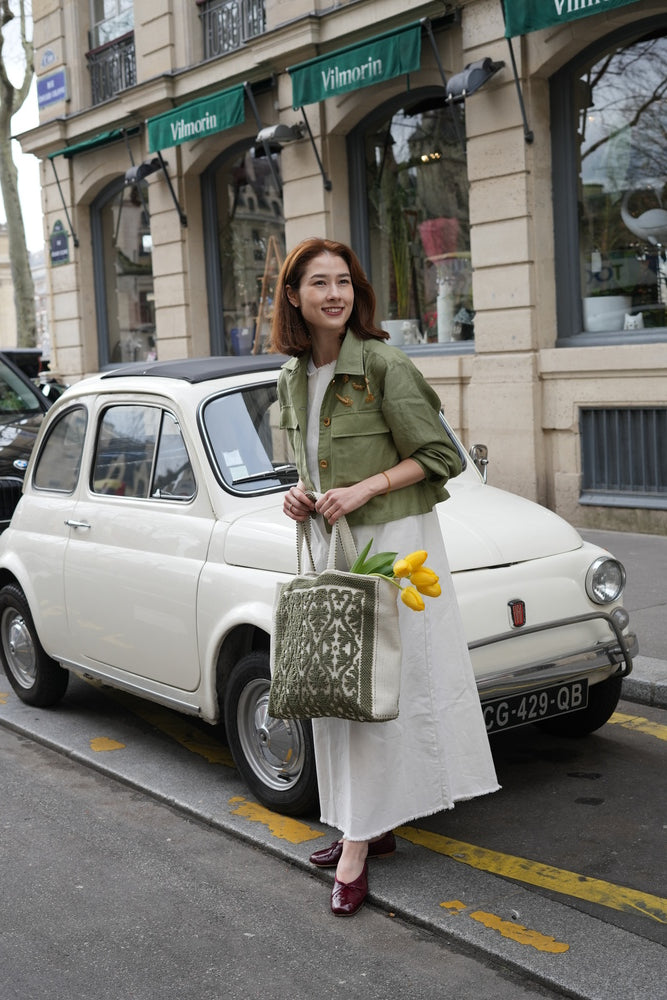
(245, 247)
(610, 187)
(123, 267)
(412, 225)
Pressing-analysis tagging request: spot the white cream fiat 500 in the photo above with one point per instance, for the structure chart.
(149, 540)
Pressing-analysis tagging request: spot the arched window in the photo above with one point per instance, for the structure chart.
(123, 269)
(410, 219)
(244, 236)
(609, 115)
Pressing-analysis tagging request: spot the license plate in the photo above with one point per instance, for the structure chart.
(520, 709)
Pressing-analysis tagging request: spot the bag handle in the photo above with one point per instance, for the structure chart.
(339, 532)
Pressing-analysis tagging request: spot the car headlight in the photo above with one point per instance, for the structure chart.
(605, 580)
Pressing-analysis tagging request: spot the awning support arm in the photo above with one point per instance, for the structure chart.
(527, 131)
(181, 214)
(325, 179)
(75, 238)
(265, 143)
(426, 23)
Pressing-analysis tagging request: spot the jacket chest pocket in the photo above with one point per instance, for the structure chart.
(359, 423)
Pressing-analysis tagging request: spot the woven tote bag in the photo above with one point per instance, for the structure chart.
(336, 647)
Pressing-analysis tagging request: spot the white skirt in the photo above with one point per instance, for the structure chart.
(374, 776)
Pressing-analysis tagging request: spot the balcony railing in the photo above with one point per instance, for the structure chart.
(228, 24)
(113, 68)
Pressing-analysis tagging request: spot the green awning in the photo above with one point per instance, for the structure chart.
(523, 16)
(383, 57)
(101, 139)
(196, 119)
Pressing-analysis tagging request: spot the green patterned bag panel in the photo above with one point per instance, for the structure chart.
(336, 648)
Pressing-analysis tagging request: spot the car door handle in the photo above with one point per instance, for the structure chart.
(77, 524)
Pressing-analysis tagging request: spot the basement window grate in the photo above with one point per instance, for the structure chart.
(624, 457)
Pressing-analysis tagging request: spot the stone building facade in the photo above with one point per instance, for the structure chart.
(511, 215)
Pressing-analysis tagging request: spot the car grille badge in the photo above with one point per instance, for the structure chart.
(517, 612)
(21, 464)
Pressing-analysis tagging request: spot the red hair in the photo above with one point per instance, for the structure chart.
(289, 333)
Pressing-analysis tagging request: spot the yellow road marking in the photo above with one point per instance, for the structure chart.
(523, 935)
(639, 725)
(282, 827)
(103, 743)
(175, 726)
(4, 695)
(616, 897)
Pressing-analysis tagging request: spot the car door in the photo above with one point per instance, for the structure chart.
(139, 535)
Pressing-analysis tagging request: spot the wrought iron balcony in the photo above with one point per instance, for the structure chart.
(228, 24)
(113, 67)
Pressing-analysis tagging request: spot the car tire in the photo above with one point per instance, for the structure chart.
(602, 701)
(35, 677)
(276, 758)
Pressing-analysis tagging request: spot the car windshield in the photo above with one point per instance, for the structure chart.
(249, 451)
(17, 399)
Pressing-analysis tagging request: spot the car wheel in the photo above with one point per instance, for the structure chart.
(276, 758)
(602, 701)
(35, 677)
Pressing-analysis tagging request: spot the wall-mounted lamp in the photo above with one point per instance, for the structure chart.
(474, 76)
(280, 133)
(137, 173)
(271, 138)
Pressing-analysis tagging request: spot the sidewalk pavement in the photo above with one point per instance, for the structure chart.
(645, 561)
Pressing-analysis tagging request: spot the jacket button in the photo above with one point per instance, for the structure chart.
(324, 464)
(326, 421)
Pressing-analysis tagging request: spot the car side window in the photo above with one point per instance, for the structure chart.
(59, 460)
(126, 440)
(140, 453)
(174, 477)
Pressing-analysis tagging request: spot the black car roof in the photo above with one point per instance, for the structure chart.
(200, 369)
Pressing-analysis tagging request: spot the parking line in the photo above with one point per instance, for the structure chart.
(639, 724)
(173, 725)
(616, 897)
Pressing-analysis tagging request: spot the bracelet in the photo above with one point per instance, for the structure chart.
(388, 490)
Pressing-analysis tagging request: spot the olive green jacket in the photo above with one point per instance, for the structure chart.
(377, 410)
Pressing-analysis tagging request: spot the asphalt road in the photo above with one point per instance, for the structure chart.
(561, 876)
(110, 895)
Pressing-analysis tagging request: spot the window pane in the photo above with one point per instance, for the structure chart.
(128, 276)
(59, 460)
(417, 190)
(621, 115)
(250, 451)
(125, 450)
(251, 234)
(174, 478)
(110, 19)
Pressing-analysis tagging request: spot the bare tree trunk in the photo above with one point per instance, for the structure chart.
(11, 99)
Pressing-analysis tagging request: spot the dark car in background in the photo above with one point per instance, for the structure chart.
(22, 409)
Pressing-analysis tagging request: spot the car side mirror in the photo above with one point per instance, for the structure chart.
(479, 453)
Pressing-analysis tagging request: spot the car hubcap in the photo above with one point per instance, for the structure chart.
(19, 649)
(273, 748)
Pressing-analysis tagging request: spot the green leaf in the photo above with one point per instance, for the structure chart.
(381, 563)
(359, 561)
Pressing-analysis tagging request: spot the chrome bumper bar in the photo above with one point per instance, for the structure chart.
(572, 666)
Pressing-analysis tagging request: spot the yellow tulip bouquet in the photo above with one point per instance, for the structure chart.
(423, 581)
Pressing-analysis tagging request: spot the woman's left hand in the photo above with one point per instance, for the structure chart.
(341, 500)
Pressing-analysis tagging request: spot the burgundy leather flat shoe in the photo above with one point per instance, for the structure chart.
(347, 897)
(329, 857)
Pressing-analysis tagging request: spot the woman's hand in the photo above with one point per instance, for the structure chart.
(342, 500)
(297, 503)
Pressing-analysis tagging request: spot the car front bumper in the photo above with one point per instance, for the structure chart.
(595, 663)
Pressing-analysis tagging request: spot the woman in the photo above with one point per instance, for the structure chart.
(367, 436)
